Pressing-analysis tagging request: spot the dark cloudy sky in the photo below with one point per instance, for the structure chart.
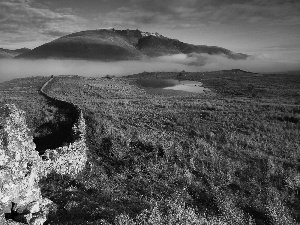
(268, 27)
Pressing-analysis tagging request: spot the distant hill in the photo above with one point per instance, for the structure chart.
(4, 54)
(159, 46)
(292, 72)
(7, 53)
(114, 45)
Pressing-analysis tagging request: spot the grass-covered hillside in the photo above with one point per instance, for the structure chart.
(229, 156)
(114, 45)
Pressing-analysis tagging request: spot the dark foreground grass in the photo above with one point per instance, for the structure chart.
(226, 157)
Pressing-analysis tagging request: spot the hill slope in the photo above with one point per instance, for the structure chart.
(159, 46)
(97, 44)
(113, 45)
(7, 53)
(4, 54)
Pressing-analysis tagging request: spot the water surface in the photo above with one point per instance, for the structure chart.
(172, 84)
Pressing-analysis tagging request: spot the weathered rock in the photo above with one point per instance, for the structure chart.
(20, 165)
(19, 160)
(33, 207)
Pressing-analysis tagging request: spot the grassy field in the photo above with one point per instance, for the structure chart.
(230, 156)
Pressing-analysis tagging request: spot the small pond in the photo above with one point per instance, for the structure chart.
(172, 84)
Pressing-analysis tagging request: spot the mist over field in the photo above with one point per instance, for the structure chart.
(17, 68)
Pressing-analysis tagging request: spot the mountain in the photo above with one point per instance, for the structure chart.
(113, 45)
(7, 53)
(159, 46)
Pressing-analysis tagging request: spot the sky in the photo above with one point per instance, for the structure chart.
(265, 28)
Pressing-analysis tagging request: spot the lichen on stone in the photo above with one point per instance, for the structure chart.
(20, 196)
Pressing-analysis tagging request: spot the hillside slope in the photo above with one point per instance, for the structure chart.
(114, 45)
(4, 54)
(159, 46)
(97, 44)
(7, 53)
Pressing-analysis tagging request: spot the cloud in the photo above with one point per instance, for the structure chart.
(23, 21)
(29, 23)
(132, 17)
(256, 63)
(13, 68)
(192, 13)
(265, 13)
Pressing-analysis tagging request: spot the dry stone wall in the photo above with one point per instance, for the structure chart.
(70, 159)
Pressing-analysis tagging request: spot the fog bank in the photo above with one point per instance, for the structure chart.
(16, 68)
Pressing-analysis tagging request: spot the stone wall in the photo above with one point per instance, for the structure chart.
(70, 159)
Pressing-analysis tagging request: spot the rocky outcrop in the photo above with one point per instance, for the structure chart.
(21, 167)
(20, 164)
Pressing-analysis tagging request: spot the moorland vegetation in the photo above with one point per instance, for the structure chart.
(228, 156)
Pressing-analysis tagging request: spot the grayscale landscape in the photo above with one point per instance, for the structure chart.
(130, 112)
